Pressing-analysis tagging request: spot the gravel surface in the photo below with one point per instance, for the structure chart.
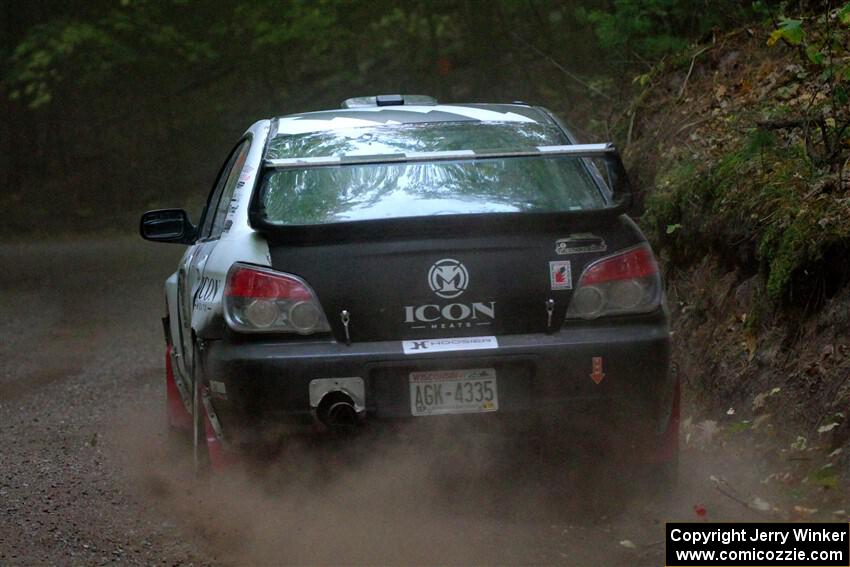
(86, 475)
(79, 346)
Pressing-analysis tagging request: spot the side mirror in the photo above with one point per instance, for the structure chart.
(168, 225)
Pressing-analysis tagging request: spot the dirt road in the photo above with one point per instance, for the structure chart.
(86, 476)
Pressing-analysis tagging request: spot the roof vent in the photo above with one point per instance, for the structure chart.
(389, 100)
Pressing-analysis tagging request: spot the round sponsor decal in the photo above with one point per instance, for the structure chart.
(448, 278)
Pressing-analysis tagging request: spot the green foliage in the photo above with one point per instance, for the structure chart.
(647, 30)
(790, 30)
(173, 66)
(740, 426)
(36, 61)
(641, 27)
(825, 477)
(776, 191)
(304, 23)
(89, 52)
(844, 14)
(337, 41)
(759, 192)
(822, 41)
(289, 42)
(669, 208)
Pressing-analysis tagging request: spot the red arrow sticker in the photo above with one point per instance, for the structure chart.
(597, 375)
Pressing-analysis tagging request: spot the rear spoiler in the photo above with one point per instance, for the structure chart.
(577, 150)
(620, 202)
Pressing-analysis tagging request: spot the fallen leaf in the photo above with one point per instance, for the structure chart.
(827, 428)
(700, 510)
(760, 504)
(760, 420)
(803, 511)
(628, 543)
(784, 477)
(730, 411)
(814, 369)
(760, 401)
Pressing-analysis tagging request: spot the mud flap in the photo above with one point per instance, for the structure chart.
(668, 446)
(220, 457)
(178, 418)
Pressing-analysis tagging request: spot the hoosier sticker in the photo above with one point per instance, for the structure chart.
(443, 345)
(560, 275)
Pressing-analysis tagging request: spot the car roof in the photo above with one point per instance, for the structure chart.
(325, 120)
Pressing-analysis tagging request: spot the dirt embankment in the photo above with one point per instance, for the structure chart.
(750, 223)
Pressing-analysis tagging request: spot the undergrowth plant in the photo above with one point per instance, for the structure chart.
(775, 198)
(823, 44)
(763, 195)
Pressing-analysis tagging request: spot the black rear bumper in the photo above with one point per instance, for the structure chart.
(539, 376)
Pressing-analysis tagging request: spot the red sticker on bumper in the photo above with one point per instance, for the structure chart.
(597, 375)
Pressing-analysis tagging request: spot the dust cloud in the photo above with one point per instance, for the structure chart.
(421, 495)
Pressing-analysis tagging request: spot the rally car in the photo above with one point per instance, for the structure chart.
(399, 260)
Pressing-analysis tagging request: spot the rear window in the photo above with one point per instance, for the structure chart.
(379, 191)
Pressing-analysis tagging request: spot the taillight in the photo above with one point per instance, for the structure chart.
(262, 300)
(619, 285)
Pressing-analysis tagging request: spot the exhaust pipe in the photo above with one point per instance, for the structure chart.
(336, 411)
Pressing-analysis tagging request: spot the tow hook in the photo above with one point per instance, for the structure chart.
(345, 317)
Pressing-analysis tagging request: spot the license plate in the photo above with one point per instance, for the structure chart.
(453, 391)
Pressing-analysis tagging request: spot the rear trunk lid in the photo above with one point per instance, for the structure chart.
(435, 282)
